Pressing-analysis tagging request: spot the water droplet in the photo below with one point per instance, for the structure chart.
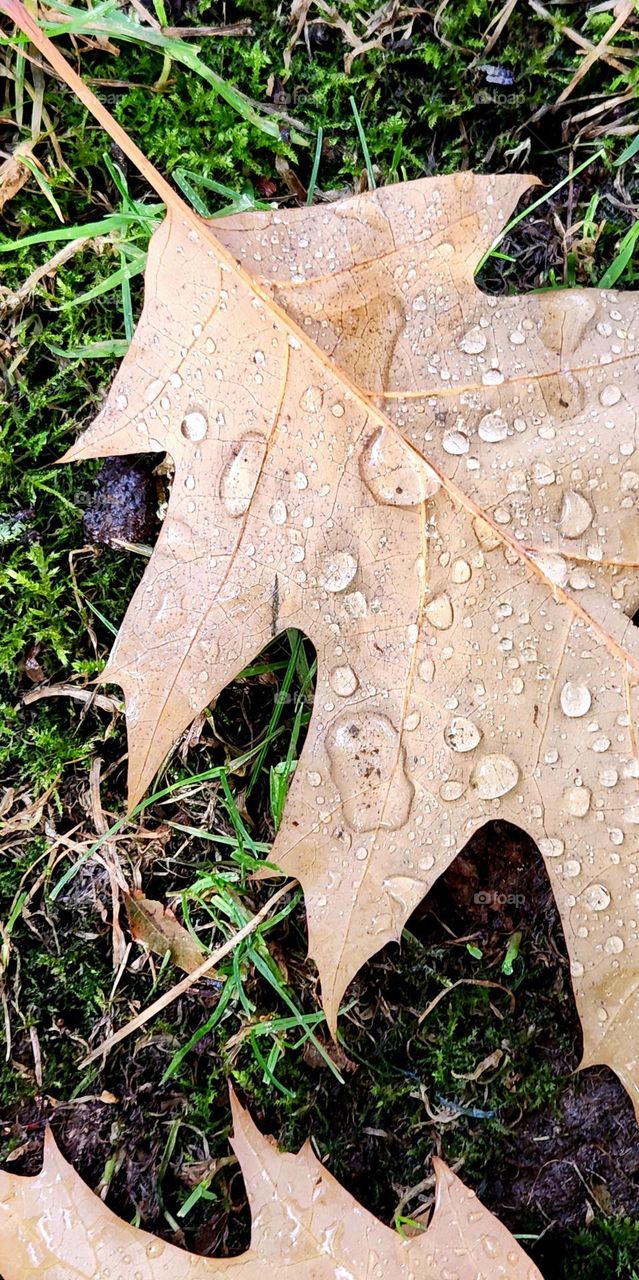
(155, 1248)
(460, 571)
(577, 801)
(494, 776)
(337, 409)
(427, 670)
(121, 401)
(278, 512)
(240, 476)
(576, 514)
(608, 777)
(455, 442)
(473, 342)
(614, 945)
(367, 766)
(462, 734)
(339, 570)
(551, 847)
(492, 428)
(194, 425)
(412, 720)
(312, 399)
(610, 395)
(452, 790)
(439, 612)
(575, 699)
(314, 778)
(596, 897)
(553, 566)
(395, 475)
(343, 681)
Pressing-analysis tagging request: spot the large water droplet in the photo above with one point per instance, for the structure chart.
(439, 612)
(395, 475)
(493, 776)
(553, 566)
(576, 514)
(456, 442)
(610, 395)
(575, 699)
(338, 571)
(278, 512)
(194, 425)
(462, 734)
(240, 476)
(367, 766)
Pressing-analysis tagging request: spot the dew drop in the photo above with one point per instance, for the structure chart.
(577, 801)
(610, 395)
(576, 514)
(575, 699)
(312, 399)
(451, 790)
(439, 612)
(614, 945)
(455, 442)
(494, 776)
(339, 570)
(473, 342)
(553, 566)
(427, 670)
(240, 476)
(460, 571)
(343, 681)
(368, 768)
(462, 734)
(337, 409)
(394, 475)
(596, 897)
(278, 512)
(194, 425)
(551, 847)
(492, 428)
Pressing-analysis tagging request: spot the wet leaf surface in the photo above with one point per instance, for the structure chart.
(53, 1226)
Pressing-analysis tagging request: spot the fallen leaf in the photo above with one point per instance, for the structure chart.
(155, 925)
(54, 1226)
(438, 487)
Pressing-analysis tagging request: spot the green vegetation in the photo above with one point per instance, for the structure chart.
(425, 105)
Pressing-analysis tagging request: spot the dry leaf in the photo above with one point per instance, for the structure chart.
(444, 499)
(54, 1226)
(155, 925)
(459, 679)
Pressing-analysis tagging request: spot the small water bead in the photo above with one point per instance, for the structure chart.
(455, 442)
(610, 395)
(426, 670)
(452, 790)
(412, 720)
(572, 868)
(601, 744)
(337, 409)
(395, 475)
(314, 778)
(577, 801)
(608, 777)
(614, 945)
(551, 847)
(462, 734)
(494, 776)
(576, 514)
(240, 476)
(575, 699)
(367, 764)
(278, 512)
(460, 571)
(121, 401)
(339, 570)
(596, 897)
(312, 399)
(552, 566)
(492, 428)
(155, 1248)
(473, 342)
(343, 681)
(439, 612)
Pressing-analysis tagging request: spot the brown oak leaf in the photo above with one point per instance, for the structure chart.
(52, 1227)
